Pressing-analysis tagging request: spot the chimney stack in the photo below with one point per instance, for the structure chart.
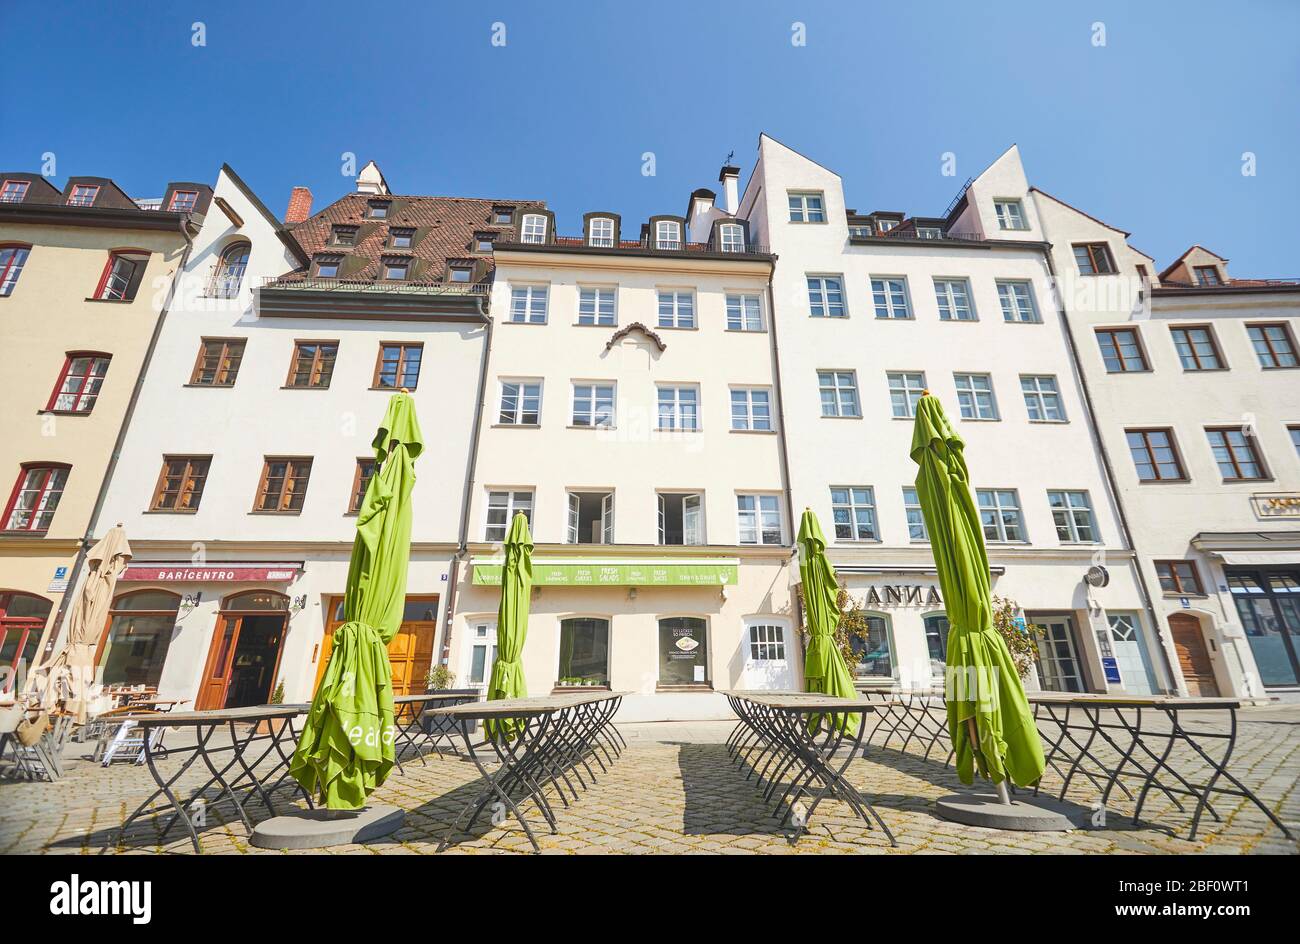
(730, 180)
(299, 205)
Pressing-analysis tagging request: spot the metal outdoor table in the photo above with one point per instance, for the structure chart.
(789, 733)
(558, 736)
(410, 715)
(919, 715)
(205, 724)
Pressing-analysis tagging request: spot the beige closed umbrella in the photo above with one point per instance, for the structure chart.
(70, 671)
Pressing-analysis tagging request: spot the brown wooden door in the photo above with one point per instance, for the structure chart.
(216, 675)
(1193, 657)
(410, 654)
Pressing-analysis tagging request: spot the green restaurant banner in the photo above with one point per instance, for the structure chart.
(595, 573)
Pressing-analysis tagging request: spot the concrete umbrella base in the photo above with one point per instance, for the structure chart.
(316, 829)
(992, 811)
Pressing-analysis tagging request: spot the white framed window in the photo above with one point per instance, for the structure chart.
(853, 510)
(521, 403)
(596, 306)
(744, 312)
(601, 232)
(591, 518)
(751, 409)
(1011, 215)
(889, 295)
(534, 228)
(1042, 398)
(528, 303)
(1017, 300)
(826, 296)
(953, 297)
(766, 642)
(668, 234)
(839, 392)
(975, 396)
(593, 404)
(676, 308)
(929, 232)
(915, 517)
(502, 507)
(807, 206)
(681, 518)
(905, 391)
(1000, 515)
(481, 652)
(1072, 514)
(731, 237)
(758, 519)
(678, 407)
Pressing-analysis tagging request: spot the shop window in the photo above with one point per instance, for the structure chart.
(875, 651)
(936, 641)
(683, 651)
(22, 621)
(139, 635)
(584, 652)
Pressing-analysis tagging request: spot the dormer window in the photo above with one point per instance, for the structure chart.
(1207, 275)
(503, 216)
(459, 273)
(886, 225)
(183, 201)
(929, 232)
(396, 269)
(731, 237)
(668, 235)
(327, 267)
(401, 238)
(1011, 215)
(601, 232)
(483, 241)
(534, 228)
(344, 236)
(13, 191)
(377, 209)
(83, 195)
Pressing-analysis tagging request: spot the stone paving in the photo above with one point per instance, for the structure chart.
(674, 790)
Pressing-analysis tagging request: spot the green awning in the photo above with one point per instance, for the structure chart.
(591, 572)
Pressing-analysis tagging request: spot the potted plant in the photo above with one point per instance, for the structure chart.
(439, 679)
(273, 725)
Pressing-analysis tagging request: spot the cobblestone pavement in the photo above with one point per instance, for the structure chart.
(674, 790)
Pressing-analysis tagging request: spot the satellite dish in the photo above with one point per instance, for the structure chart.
(1097, 576)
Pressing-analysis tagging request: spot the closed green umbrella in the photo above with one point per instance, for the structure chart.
(507, 679)
(346, 747)
(824, 669)
(989, 719)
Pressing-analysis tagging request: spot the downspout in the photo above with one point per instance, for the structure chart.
(116, 454)
(1125, 531)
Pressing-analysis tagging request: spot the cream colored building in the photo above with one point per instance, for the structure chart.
(85, 277)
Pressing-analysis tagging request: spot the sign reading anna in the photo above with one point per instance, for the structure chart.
(618, 574)
(903, 595)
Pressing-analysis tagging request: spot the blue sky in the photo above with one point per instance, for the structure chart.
(1146, 132)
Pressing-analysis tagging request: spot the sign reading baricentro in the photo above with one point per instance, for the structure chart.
(618, 574)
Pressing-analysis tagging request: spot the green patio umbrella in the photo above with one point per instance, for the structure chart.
(824, 669)
(989, 719)
(507, 679)
(346, 747)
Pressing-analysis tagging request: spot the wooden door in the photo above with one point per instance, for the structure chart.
(410, 654)
(216, 675)
(1193, 657)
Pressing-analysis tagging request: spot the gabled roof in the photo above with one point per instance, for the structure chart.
(1114, 229)
(1190, 249)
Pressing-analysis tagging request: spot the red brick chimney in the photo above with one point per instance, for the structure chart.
(299, 205)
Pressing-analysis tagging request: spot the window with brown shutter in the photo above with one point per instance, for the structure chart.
(218, 362)
(313, 364)
(180, 484)
(283, 486)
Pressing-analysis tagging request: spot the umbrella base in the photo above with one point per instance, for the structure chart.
(316, 829)
(988, 810)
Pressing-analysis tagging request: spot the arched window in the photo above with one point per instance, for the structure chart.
(228, 275)
(22, 621)
(876, 652)
(257, 600)
(584, 651)
(139, 634)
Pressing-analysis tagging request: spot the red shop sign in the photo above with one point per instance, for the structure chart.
(211, 573)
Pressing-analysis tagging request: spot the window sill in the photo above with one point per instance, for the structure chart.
(1280, 367)
(678, 429)
(1205, 370)
(63, 412)
(853, 542)
(170, 511)
(515, 426)
(895, 318)
(745, 331)
(684, 688)
(1267, 478)
(570, 689)
(535, 324)
(410, 389)
(199, 386)
(584, 324)
(112, 301)
(1050, 422)
(1022, 321)
(755, 432)
(959, 320)
(24, 534)
(980, 419)
(276, 514)
(1183, 481)
(577, 426)
(677, 328)
(287, 387)
(1174, 595)
(840, 417)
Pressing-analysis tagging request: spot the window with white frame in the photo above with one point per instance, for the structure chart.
(839, 392)
(668, 234)
(521, 403)
(889, 295)
(1042, 398)
(1017, 300)
(1000, 515)
(678, 407)
(1072, 514)
(681, 518)
(758, 519)
(915, 517)
(502, 507)
(534, 228)
(591, 518)
(528, 303)
(853, 510)
(731, 237)
(751, 409)
(766, 642)
(826, 296)
(676, 308)
(744, 312)
(975, 396)
(953, 297)
(593, 404)
(807, 206)
(905, 391)
(596, 306)
(601, 231)
(1011, 215)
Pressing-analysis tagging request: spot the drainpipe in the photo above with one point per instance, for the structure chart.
(1125, 531)
(89, 536)
(462, 545)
